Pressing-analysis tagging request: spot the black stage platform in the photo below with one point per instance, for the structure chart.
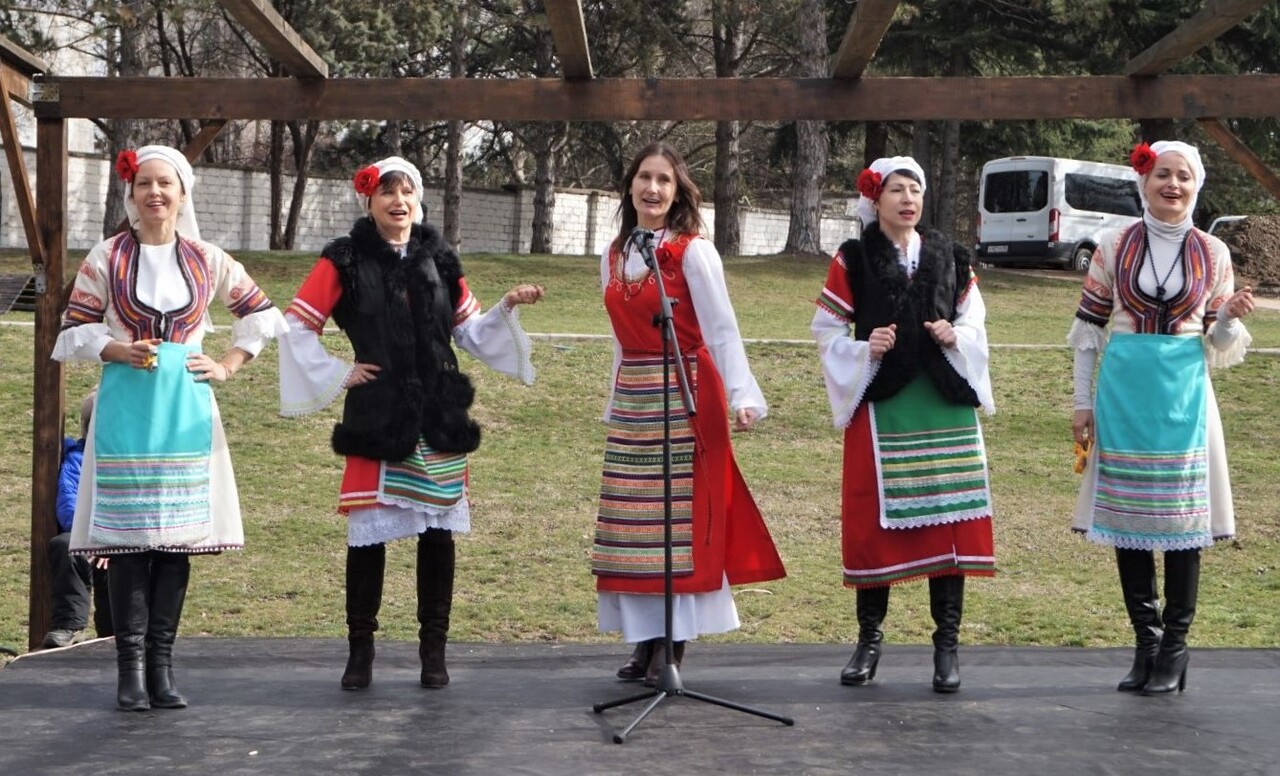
(273, 706)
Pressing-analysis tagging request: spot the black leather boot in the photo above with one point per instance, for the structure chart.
(659, 659)
(365, 567)
(436, 559)
(946, 604)
(1181, 588)
(635, 667)
(871, 607)
(129, 583)
(170, 572)
(1138, 584)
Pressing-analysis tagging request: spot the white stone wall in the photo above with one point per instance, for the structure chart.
(233, 206)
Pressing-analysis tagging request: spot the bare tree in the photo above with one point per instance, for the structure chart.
(804, 233)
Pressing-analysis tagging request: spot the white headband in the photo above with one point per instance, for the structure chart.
(886, 165)
(186, 224)
(397, 164)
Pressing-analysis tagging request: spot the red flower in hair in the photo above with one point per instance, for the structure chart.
(870, 184)
(127, 165)
(366, 180)
(1143, 158)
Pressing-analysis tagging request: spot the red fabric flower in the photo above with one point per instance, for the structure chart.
(127, 165)
(870, 184)
(1143, 158)
(366, 180)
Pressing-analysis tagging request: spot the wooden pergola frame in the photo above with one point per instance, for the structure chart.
(1140, 92)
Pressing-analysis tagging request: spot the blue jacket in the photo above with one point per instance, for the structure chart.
(69, 481)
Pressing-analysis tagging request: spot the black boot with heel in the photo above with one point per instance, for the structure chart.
(129, 583)
(365, 567)
(634, 669)
(1181, 588)
(946, 604)
(170, 573)
(872, 605)
(437, 556)
(1138, 584)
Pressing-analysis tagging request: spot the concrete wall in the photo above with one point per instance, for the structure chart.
(233, 206)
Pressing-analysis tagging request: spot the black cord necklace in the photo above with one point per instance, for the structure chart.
(1151, 261)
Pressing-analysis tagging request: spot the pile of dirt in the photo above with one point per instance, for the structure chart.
(1255, 250)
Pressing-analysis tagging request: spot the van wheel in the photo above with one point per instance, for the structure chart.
(1081, 258)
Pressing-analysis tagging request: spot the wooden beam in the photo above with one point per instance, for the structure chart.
(694, 99)
(197, 146)
(49, 382)
(1242, 155)
(1215, 18)
(867, 27)
(14, 85)
(569, 30)
(18, 173)
(281, 41)
(20, 59)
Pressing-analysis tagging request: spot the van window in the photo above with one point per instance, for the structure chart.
(1103, 195)
(1016, 191)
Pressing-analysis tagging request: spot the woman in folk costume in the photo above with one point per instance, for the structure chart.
(1156, 477)
(719, 537)
(156, 485)
(396, 289)
(902, 338)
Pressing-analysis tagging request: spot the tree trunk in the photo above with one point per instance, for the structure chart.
(546, 155)
(304, 140)
(727, 233)
(1156, 129)
(804, 233)
(453, 140)
(922, 152)
(275, 167)
(120, 134)
(876, 143)
(949, 171)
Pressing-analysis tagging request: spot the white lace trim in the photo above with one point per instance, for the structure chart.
(973, 513)
(1233, 354)
(71, 342)
(252, 332)
(318, 402)
(845, 416)
(390, 522)
(1086, 336)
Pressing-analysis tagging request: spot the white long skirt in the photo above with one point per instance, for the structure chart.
(641, 617)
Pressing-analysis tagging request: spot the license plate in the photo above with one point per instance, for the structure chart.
(997, 249)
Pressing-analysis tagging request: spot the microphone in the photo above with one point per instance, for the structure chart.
(643, 239)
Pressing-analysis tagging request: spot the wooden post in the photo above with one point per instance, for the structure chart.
(49, 382)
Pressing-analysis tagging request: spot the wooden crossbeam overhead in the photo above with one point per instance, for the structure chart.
(1215, 18)
(17, 65)
(569, 30)
(280, 40)
(695, 99)
(1242, 155)
(867, 27)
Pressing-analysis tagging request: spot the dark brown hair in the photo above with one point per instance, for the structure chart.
(684, 216)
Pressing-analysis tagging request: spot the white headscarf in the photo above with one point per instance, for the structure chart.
(886, 165)
(186, 225)
(397, 164)
(1186, 151)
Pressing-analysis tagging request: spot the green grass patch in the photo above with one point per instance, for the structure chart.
(523, 572)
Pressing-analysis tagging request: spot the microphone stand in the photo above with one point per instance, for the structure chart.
(669, 683)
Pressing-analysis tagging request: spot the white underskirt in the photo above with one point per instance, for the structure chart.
(641, 617)
(384, 523)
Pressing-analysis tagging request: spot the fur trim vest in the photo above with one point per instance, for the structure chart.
(398, 314)
(883, 294)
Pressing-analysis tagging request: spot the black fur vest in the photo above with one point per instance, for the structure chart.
(883, 294)
(398, 314)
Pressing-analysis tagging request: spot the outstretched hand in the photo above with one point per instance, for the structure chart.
(525, 293)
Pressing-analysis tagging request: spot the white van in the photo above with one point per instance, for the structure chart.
(1045, 210)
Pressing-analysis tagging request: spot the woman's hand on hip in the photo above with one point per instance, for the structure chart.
(1082, 426)
(882, 340)
(361, 374)
(208, 370)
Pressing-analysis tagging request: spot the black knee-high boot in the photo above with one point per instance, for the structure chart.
(365, 567)
(946, 604)
(634, 669)
(170, 572)
(1181, 588)
(1138, 584)
(129, 583)
(436, 558)
(871, 606)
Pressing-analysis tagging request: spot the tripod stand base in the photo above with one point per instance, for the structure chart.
(670, 685)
